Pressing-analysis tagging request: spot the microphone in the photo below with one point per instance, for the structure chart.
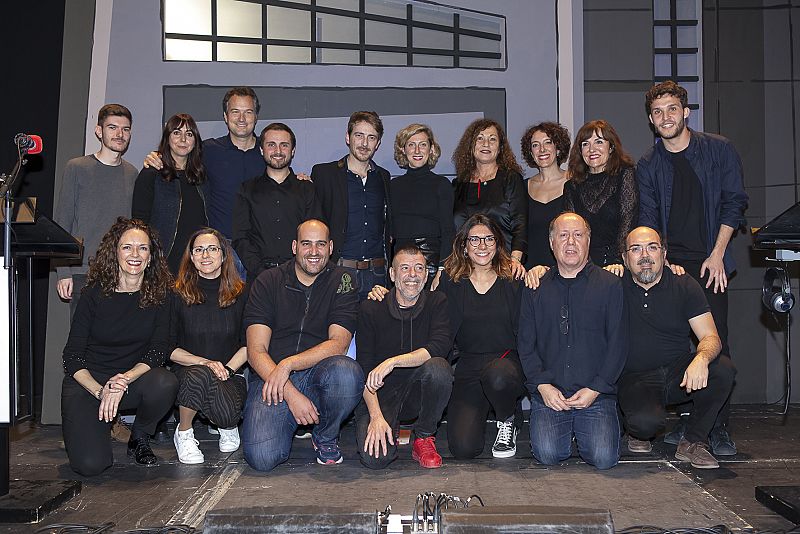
(31, 144)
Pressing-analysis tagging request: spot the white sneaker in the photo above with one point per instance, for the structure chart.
(505, 444)
(187, 447)
(212, 430)
(229, 439)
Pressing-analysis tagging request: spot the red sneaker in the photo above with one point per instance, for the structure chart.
(424, 451)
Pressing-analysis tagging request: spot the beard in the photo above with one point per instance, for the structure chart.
(680, 126)
(645, 276)
(278, 166)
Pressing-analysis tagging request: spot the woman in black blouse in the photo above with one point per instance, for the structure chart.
(422, 201)
(489, 180)
(206, 333)
(172, 199)
(602, 189)
(116, 348)
(483, 302)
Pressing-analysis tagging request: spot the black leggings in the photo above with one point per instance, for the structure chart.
(87, 439)
(482, 383)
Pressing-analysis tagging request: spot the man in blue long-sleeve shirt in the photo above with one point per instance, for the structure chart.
(572, 343)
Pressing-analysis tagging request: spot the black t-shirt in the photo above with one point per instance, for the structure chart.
(686, 229)
(539, 216)
(487, 326)
(658, 319)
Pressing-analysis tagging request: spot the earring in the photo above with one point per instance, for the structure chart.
(465, 253)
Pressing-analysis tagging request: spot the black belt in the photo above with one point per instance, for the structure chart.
(362, 265)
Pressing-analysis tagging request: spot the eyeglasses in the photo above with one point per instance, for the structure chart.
(211, 249)
(651, 248)
(564, 324)
(476, 240)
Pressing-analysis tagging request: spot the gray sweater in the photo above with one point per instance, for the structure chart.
(92, 196)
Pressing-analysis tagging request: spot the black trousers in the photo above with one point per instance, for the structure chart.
(422, 400)
(644, 395)
(221, 401)
(483, 383)
(718, 302)
(87, 439)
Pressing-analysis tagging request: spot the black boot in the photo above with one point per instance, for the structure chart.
(139, 449)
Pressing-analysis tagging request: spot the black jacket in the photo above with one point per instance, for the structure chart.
(330, 181)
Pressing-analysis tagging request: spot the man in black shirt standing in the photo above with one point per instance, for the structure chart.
(299, 320)
(572, 345)
(402, 343)
(660, 369)
(269, 207)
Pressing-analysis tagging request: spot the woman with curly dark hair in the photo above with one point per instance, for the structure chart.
(545, 146)
(206, 334)
(602, 189)
(116, 350)
(489, 180)
(172, 199)
(422, 201)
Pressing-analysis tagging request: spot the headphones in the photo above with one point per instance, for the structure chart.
(777, 298)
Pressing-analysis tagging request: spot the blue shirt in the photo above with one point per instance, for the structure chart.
(365, 216)
(227, 167)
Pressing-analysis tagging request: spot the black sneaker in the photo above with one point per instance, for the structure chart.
(676, 434)
(505, 444)
(139, 449)
(721, 442)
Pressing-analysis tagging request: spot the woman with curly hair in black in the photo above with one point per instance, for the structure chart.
(489, 180)
(117, 346)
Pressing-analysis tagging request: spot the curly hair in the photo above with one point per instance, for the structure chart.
(665, 88)
(458, 265)
(104, 266)
(618, 159)
(464, 154)
(195, 170)
(231, 285)
(557, 134)
(407, 133)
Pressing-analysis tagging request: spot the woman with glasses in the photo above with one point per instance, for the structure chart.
(602, 189)
(172, 199)
(206, 334)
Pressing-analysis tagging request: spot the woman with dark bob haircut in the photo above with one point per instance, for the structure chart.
(117, 346)
(172, 199)
(602, 189)
(489, 180)
(545, 147)
(422, 201)
(208, 349)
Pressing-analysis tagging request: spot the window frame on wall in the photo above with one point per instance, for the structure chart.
(464, 50)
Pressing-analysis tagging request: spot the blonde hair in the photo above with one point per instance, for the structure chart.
(407, 133)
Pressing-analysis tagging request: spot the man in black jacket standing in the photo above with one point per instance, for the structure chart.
(299, 320)
(354, 194)
(402, 343)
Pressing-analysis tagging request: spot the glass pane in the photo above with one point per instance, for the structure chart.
(288, 54)
(432, 39)
(183, 50)
(286, 23)
(387, 8)
(382, 33)
(687, 36)
(686, 9)
(425, 60)
(687, 64)
(476, 44)
(433, 15)
(333, 55)
(238, 19)
(661, 37)
(187, 16)
(662, 65)
(661, 10)
(239, 52)
(482, 24)
(692, 91)
(386, 58)
(336, 29)
(481, 63)
(350, 5)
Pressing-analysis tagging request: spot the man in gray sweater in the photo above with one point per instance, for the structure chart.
(95, 190)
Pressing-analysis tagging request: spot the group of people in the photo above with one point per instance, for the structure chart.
(220, 255)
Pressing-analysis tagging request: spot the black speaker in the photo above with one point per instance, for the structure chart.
(527, 519)
(290, 520)
(776, 293)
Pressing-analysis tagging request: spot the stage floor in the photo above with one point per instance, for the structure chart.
(650, 489)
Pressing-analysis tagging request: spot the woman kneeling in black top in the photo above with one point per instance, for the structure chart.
(206, 331)
(116, 349)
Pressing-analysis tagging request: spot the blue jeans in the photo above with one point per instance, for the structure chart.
(367, 278)
(334, 385)
(596, 430)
